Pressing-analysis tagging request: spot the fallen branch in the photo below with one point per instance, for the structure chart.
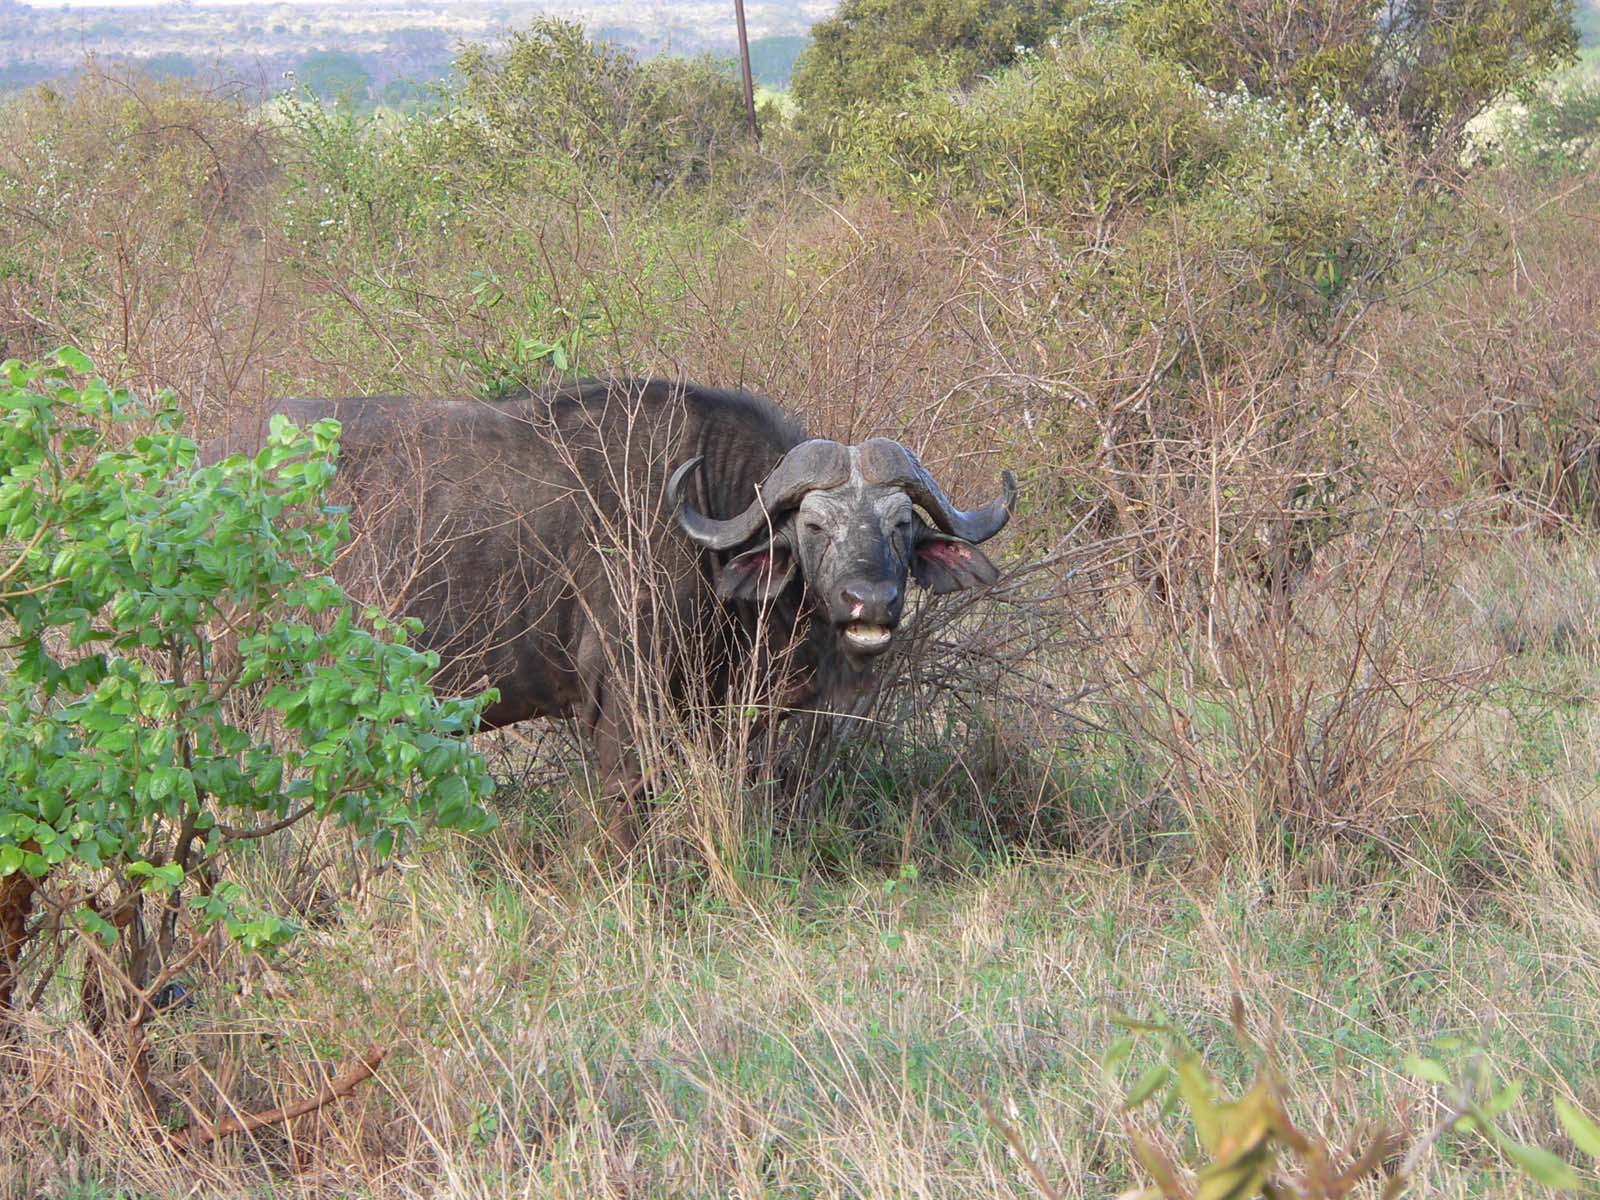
(335, 1089)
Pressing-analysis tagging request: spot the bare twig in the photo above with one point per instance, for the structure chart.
(335, 1089)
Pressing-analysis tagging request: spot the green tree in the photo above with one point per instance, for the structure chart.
(1424, 68)
(549, 90)
(1086, 123)
(553, 95)
(182, 679)
(333, 75)
(870, 49)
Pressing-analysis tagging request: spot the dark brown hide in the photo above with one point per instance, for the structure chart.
(529, 537)
(533, 538)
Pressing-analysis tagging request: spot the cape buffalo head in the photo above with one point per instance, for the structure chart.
(845, 520)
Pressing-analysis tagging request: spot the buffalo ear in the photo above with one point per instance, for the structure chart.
(943, 564)
(758, 574)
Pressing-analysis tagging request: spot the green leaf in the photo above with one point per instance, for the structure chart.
(1240, 1179)
(1580, 1127)
(92, 922)
(1502, 1100)
(1541, 1165)
(75, 360)
(1429, 1069)
(1137, 1024)
(1117, 1053)
(1198, 1092)
(165, 878)
(1156, 1077)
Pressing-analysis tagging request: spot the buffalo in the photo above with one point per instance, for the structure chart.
(551, 541)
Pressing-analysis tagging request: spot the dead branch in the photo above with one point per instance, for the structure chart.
(335, 1089)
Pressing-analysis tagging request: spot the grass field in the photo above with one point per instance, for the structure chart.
(832, 1040)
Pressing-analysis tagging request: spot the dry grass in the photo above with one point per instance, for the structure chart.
(604, 1038)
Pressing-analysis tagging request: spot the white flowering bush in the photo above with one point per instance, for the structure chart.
(1313, 208)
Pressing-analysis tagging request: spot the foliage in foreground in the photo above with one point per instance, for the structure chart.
(182, 680)
(1252, 1145)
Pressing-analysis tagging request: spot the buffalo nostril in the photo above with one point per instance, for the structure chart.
(879, 596)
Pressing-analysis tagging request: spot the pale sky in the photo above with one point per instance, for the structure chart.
(86, 5)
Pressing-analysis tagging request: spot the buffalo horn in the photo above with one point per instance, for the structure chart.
(810, 465)
(886, 461)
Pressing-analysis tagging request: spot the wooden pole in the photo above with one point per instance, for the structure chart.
(744, 65)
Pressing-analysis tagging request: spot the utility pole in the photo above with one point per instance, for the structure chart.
(744, 65)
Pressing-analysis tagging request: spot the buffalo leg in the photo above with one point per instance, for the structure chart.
(621, 783)
(608, 716)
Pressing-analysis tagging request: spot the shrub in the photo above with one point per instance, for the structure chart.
(1310, 216)
(693, 112)
(870, 49)
(1422, 67)
(1303, 207)
(349, 176)
(1555, 131)
(183, 680)
(1087, 125)
(1503, 363)
(113, 201)
(554, 97)
(551, 112)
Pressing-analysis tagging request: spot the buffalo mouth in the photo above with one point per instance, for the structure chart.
(865, 637)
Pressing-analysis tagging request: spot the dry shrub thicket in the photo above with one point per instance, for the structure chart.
(1241, 528)
(1246, 625)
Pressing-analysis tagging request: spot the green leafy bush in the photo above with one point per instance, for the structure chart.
(1555, 132)
(1088, 124)
(551, 111)
(182, 677)
(870, 50)
(1302, 202)
(551, 97)
(1310, 213)
(350, 176)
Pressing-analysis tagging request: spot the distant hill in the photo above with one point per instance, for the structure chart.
(1588, 19)
(358, 49)
(772, 58)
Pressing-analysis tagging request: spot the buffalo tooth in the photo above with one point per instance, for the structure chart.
(860, 633)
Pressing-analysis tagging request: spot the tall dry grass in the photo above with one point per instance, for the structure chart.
(547, 1039)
